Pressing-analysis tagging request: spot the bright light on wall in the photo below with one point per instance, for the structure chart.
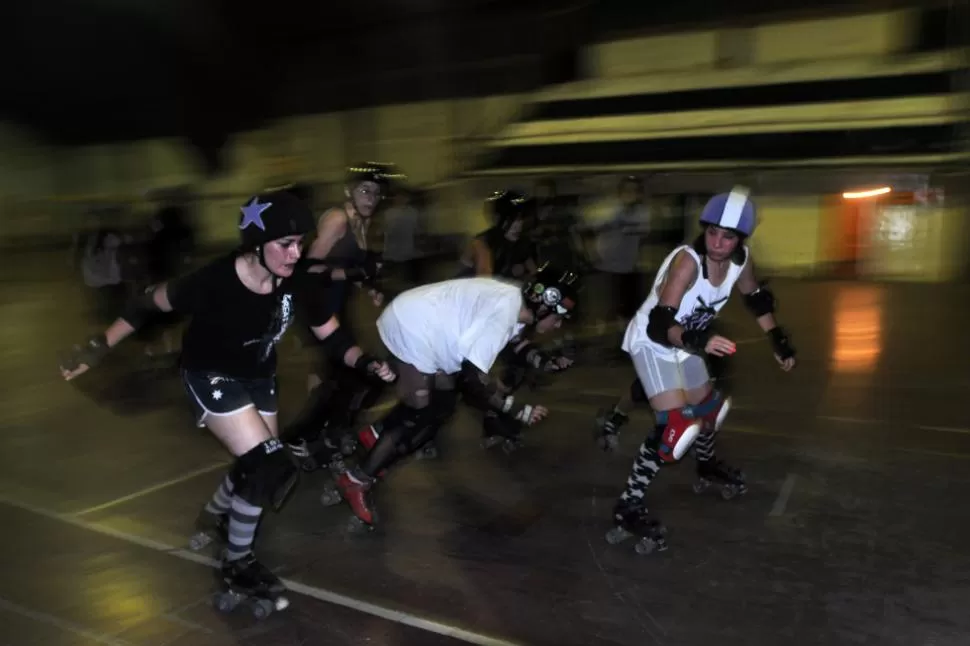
(861, 195)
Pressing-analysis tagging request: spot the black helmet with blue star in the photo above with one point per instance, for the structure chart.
(271, 216)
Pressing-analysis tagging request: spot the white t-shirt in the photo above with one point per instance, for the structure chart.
(436, 327)
(698, 308)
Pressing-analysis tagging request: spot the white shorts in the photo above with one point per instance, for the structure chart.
(659, 375)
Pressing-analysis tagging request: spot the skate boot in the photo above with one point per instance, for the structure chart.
(731, 480)
(354, 489)
(428, 451)
(300, 449)
(607, 428)
(367, 438)
(328, 454)
(633, 519)
(209, 528)
(246, 580)
(501, 430)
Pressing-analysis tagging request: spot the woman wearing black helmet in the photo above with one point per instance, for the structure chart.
(341, 248)
(444, 336)
(240, 306)
(501, 250)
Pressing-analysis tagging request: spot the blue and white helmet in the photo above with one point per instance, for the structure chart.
(734, 211)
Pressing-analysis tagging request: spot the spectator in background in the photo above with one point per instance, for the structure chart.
(617, 244)
(402, 229)
(168, 252)
(97, 253)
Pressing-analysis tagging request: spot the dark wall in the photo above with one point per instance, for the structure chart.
(87, 71)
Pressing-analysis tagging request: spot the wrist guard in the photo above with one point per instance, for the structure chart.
(780, 343)
(694, 341)
(90, 354)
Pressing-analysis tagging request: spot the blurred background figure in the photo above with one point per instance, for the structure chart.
(97, 255)
(402, 236)
(168, 248)
(617, 248)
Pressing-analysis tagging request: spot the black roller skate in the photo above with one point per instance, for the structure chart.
(428, 451)
(246, 580)
(607, 428)
(501, 430)
(633, 519)
(209, 528)
(710, 472)
(327, 450)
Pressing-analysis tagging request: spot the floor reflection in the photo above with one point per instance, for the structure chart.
(857, 329)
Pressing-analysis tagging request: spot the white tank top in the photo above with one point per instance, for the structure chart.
(697, 310)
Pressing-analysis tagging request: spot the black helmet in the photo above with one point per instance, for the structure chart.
(504, 207)
(271, 216)
(303, 191)
(381, 174)
(554, 288)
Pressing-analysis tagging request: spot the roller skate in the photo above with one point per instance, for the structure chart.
(248, 581)
(501, 430)
(731, 481)
(355, 492)
(428, 451)
(209, 528)
(633, 519)
(607, 428)
(367, 438)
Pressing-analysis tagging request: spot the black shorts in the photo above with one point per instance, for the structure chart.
(218, 395)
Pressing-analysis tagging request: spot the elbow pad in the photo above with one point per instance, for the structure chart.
(480, 391)
(761, 301)
(339, 342)
(662, 318)
(140, 309)
(320, 271)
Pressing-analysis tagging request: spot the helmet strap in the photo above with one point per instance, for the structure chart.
(261, 257)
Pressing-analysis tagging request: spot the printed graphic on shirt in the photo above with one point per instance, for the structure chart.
(282, 318)
(701, 317)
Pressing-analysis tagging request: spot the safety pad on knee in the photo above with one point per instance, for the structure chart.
(679, 433)
(266, 474)
(713, 410)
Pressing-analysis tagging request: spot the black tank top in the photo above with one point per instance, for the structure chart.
(346, 252)
(506, 254)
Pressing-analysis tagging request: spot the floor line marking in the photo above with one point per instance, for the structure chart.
(849, 420)
(945, 429)
(60, 624)
(152, 489)
(320, 594)
(781, 501)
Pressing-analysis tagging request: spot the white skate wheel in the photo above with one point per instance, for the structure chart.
(263, 608)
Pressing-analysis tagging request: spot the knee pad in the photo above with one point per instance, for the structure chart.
(637, 393)
(265, 475)
(680, 429)
(713, 410)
